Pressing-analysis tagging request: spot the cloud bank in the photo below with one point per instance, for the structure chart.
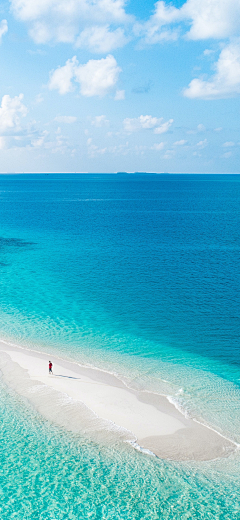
(82, 22)
(216, 19)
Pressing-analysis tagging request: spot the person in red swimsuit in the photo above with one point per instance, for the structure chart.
(50, 367)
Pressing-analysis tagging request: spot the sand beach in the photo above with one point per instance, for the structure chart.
(91, 401)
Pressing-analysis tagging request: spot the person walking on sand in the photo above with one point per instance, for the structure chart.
(50, 367)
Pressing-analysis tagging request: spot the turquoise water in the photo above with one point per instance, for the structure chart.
(139, 276)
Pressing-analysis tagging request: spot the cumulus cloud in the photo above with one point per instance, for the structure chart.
(202, 144)
(96, 77)
(157, 146)
(156, 29)
(199, 20)
(101, 39)
(61, 78)
(134, 124)
(39, 141)
(226, 80)
(66, 119)
(81, 21)
(201, 128)
(94, 150)
(208, 52)
(164, 127)
(14, 133)
(212, 18)
(3, 28)
(207, 19)
(12, 111)
(169, 154)
(228, 144)
(182, 142)
(101, 26)
(100, 121)
(146, 122)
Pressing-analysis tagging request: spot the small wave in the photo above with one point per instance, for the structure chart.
(178, 406)
(180, 391)
(137, 447)
(185, 413)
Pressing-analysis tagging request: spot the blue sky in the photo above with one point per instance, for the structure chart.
(106, 86)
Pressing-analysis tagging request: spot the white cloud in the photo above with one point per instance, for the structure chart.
(62, 21)
(226, 80)
(96, 77)
(207, 19)
(201, 128)
(101, 39)
(57, 145)
(182, 142)
(155, 29)
(157, 146)
(61, 78)
(208, 52)
(169, 154)
(153, 34)
(65, 119)
(202, 144)
(39, 141)
(11, 112)
(212, 18)
(94, 150)
(100, 25)
(3, 28)
(134, 124)
(146, 122)
(100, 121)
(164, 127)
(226, 155)
(120, 94)
(36, 52)
(228, 144)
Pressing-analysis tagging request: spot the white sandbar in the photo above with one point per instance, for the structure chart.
(146, 418)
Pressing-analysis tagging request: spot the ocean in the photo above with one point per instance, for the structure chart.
(137, 275)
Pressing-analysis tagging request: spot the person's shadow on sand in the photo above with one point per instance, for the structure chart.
(68, 377)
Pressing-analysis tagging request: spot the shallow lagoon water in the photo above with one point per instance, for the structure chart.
(139, 276)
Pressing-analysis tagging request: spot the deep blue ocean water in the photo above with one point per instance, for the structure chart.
(138, 275)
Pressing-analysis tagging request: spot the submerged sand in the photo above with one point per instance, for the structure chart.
(89, 400)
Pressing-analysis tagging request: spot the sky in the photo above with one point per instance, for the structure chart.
(107, 85)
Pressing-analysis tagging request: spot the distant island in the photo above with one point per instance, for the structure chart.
(137, 173)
